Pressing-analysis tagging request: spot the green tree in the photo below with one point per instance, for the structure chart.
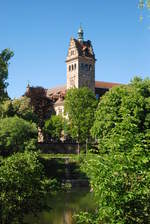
(54, 126)
(80, 105)
(16, 135)
(144, 3)
(123, 111)
(120, 173)
(5, 56)
(6, 109)
(22, 108)
(24, 187)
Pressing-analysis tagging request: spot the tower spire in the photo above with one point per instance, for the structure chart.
(80, 34)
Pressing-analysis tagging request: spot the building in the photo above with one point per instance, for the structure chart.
(80, 63)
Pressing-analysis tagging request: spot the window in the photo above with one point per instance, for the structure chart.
(82, 66)
(72, 52)
(74, 66)
(69, 68)
(86, 67)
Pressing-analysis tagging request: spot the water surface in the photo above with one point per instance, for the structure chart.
(64, 205)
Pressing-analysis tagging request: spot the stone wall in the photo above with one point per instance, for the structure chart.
(60, 148)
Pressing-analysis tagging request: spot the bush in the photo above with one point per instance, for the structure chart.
(16, 135)
(24, 188)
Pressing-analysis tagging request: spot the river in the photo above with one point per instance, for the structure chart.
(64, 205)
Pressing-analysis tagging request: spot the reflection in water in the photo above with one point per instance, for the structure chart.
(64, 205)
(67, 217)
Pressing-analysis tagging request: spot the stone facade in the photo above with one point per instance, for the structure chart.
(80, 63)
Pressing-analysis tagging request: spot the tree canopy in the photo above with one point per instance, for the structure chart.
(22, 108)
(144, 3)
(16, 135)
(6, 109)
(120, 173)
(80, 106)
(54, 126)
(123, 114)
(5, 56)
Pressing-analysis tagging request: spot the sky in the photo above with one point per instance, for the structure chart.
(39, 31)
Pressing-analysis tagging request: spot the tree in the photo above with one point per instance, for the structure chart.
(144, 4)
(54, 126)
(5, 56)
(80, 105)
(120, 173)
(22, 108)
(123, 111)
(42, 107)
(24, 187)
(6, 109)
(16, 135)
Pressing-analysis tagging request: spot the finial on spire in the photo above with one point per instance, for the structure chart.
(28, 84)
(80, 33)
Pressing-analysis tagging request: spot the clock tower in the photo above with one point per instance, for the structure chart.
(80, 63)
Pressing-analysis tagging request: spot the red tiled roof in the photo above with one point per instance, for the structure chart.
(98, 84)
(56, 90)
(105, 85)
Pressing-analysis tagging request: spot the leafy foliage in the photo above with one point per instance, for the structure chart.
(5, 56)
(54, 126)
(122, 115)
(24, 188)
(144, 3)
(6, 109)
(16, 135)
(120, 182)
(120, 174)
(23, 109)
(80, 105)
(42, 106)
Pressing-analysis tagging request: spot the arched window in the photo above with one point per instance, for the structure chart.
(74, 66)
(69, 68)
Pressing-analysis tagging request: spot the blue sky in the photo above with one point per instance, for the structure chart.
(38, 31)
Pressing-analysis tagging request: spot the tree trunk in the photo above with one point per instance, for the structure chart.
(86, 150)
(78, 147)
